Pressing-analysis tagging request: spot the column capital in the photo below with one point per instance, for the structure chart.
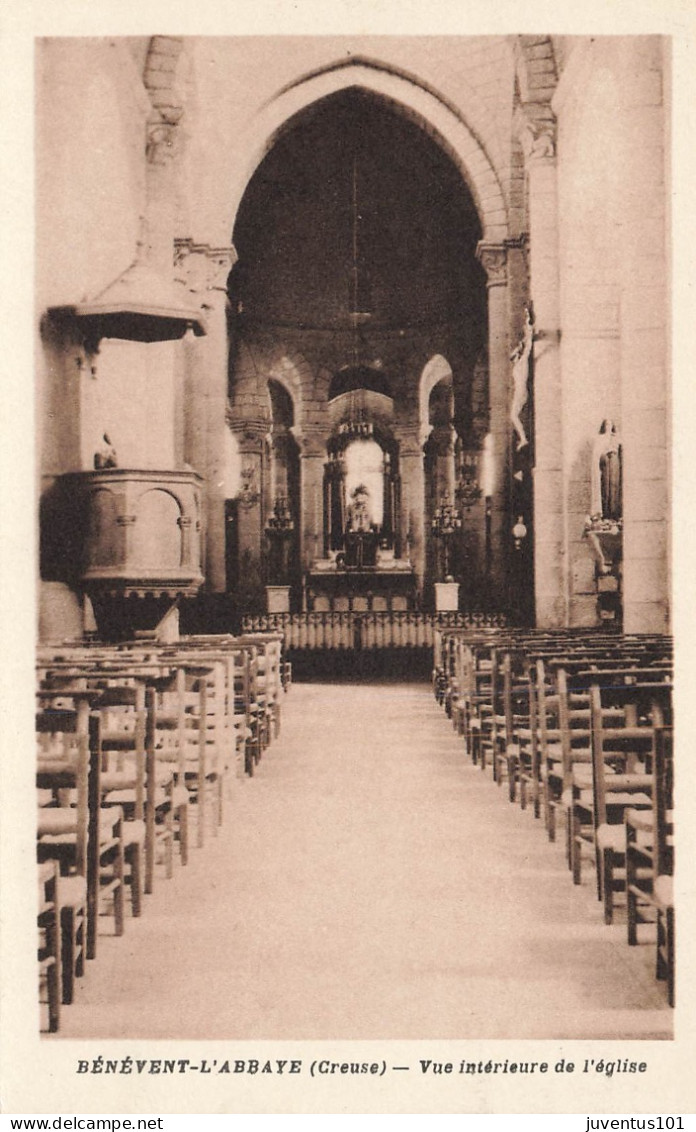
(411, 439)
(250, 432)
(493, 259)
(312, 443)
(534, 124)
(202, 268)
(443, 439)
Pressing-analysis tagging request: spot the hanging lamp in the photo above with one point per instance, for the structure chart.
(359, 310)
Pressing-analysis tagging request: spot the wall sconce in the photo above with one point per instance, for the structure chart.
(468, 490)
(249, 494)
(519, 532)
(488, 528)
(281, 519)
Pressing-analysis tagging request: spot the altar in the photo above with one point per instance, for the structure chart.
(334, 585)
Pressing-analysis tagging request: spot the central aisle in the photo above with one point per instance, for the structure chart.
(369, 882)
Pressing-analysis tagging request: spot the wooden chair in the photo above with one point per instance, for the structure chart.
(72, 900)
(123, 779)
(73, 829)
(203, 778)
(650, 862)
(620, 781)
(549, 751)
(529, 738)
(49, 953)
(259, 698)
(241, 699)
(565, 754)
(663, 889)
(166, 733)
(268, 681)
(505, 749)
(118, 692)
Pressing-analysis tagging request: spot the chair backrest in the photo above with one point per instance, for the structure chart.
(663, 800)
(629, 743)
(122, 712)
(67, 767)
(83, 772)
(597, 745)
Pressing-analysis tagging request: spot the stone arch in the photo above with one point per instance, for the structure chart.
(289, 369)
(435, 370)
(259, 361)
(405, 96)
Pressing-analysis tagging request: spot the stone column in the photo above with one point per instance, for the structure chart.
(644, 338)
(493, 258)
(411, 440)
(279, 463)
(251, 436)
(537, 130)
(447, 462)
(204, 271)
(312, 459)
(472, 508)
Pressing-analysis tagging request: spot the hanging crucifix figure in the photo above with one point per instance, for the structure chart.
(520, 378)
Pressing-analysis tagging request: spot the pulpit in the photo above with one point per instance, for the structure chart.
(137, 542)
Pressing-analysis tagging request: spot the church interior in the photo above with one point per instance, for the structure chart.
(353, 409)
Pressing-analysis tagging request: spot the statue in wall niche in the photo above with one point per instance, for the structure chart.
(606, 478)
(106, 456)
(520, 378)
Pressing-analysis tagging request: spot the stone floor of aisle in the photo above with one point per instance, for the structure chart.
(370, 883)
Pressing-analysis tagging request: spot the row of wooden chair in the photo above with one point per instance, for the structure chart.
(132, 741)
(578, 725)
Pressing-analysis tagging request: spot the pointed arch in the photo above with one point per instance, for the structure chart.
(405, 96)
(435, 370)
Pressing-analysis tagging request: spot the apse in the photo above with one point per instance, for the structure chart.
(356, 241)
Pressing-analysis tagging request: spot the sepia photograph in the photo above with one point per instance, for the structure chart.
(353, 666)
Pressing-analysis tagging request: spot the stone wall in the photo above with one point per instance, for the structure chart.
(613, 123)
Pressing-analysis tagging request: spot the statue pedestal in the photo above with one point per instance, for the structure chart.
(605, 539)
(446, 597)
(277, 599)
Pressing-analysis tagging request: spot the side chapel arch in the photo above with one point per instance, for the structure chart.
(435, 370)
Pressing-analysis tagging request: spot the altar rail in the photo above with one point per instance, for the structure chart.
(373, 629)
